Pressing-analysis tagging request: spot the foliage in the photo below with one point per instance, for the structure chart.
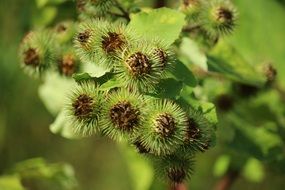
(152, 78)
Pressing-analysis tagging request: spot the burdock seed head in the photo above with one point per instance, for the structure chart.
(68, 64)
(193, 131)
(113, 42)
(31, 57)
(165, 124)
(219, 17)
(175, 168)
(84, 40)
(123, 114)
(161, 56)
(199, 133)
(65, 32)
(176, 175)
(83, 108)
(139, 67)
(84, 36)
(101, 42)
(140, 147)
(165, 128)
(139, 64)
(192, 9)
(37, 52)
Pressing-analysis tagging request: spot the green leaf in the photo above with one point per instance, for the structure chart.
(164, 24)
(80, 77)
(39, 174)
(139, 168)
(110, 84)
(92, 72)
(226, 60)
(42, 3)
(45, 16)
(260, 34)
(258, 141)
(168, 88)
(11, 182)
(183, 73)
(62, 127)
(54, 90)
(208, 109)
(192, 52)
(253, 170)
(222, 165)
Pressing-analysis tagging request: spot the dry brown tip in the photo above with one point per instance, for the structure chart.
(224, 15)
(83, 106)
(176, 175)
(124, 116)
(161, 55)
(141, 148)
(83, 37)
(139, 64)
(31, 57)
(60, 28)
(192, 132)
(112, 42)
(67, 65)
(165, 125)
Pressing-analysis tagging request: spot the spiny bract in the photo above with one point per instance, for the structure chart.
(165, 128)
(83, 108)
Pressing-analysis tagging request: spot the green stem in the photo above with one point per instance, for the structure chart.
(125, 13)
(227, 181)
(179, 186)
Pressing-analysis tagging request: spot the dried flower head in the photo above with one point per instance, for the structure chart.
(139, 67)
(199, 133)
(219, 17)
(37, 52)
(123, 114)
(192, 9)
(176, 167)
(68, 64)
(165, 128)
(83, 109)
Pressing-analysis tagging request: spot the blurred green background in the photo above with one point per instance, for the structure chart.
(98, 163)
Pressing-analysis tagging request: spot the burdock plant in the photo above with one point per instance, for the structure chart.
(135, 88)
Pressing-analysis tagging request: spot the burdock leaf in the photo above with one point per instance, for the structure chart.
(11, 182)
(62, 127)
(226, 59)
(168, 88)
(164, 24)
(53, 91)
(192, 52)
(183, 73)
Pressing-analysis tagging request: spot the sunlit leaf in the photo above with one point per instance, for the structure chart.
(164, 24)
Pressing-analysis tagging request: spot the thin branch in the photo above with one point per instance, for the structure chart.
(227, 181)
(117, 14)
(189, 29)
(125, 13)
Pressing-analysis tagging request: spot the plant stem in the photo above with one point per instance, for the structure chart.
(125, 13)
(160, 3)
(227, 181)
(179, 186)
(191, 28)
